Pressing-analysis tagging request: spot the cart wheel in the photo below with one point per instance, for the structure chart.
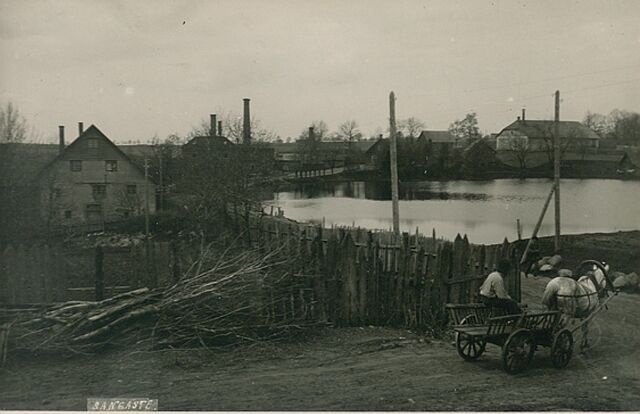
(518, 351)
(470, 347)
(562, 348)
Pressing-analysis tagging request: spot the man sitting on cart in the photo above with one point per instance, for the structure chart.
(493, 292)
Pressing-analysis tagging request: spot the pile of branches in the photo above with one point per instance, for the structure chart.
(232, 300)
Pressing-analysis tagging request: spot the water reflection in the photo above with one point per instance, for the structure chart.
(485, 210)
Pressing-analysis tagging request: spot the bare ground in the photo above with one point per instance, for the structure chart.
(365, 368)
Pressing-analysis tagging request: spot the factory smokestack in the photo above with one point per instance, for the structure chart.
(246, 126)
(212, 126)
(61, 134)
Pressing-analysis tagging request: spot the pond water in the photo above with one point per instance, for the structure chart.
(484, 210)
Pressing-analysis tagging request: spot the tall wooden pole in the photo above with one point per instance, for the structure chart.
(394, 163)
(146, 198)
(538, 224)
(556, 170)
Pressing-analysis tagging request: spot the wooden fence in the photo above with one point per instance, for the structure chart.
(43, 273)
(346, 276)
(360, 277)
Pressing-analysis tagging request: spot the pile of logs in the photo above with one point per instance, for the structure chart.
(224, 304)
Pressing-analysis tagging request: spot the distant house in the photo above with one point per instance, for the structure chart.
(440, 139)
(298, 156)
(537, 135)
(248, 159)
(479, 158)
(91, 182)
(629, 164)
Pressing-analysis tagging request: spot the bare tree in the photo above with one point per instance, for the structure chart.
(466, 129)
(519, 147)
(232, 127)
(596, 122)
(320, 131)
(411, 127)
(349, 131)
(13, 126)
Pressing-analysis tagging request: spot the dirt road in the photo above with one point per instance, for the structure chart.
(347, 369)
(357, 368)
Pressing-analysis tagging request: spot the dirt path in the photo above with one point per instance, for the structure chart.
(347, 369)
(357, 369)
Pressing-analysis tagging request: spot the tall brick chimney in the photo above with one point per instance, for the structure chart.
(80, 128)
(246, 123)
(220, 129)
(61, 134)
(523, 114)
(212, 126)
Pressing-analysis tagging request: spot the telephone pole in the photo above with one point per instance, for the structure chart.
(146, 199)
(556, 170)
(394, 163)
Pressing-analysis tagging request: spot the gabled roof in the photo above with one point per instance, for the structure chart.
(479, 143)
(439, 136)
(92, 130)
(544, 129)
(209, 140)
(633, 157)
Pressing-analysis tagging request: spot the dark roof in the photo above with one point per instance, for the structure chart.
(439, 136)
(633, 157)
(147, 150)
(21, 163)
(295, 147)
(480, 143)
(92, 130)
(544, 129)
(209, 140)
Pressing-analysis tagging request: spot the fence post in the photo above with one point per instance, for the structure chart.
(99, 261)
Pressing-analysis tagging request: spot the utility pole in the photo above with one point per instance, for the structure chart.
(146, 199)
(394, 163)
(556, 170)
(161, 181)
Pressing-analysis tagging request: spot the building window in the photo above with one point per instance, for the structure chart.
(111, 165)
(99, 189)
(57, 193)
(132, 189)
(75, 165)
(67, 214)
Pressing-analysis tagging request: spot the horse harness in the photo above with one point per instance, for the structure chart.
(577, 295)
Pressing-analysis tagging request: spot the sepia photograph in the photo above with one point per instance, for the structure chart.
(320, 205)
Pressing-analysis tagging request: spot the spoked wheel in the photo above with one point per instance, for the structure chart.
(470, 347)
(562, 348)
(518, 351)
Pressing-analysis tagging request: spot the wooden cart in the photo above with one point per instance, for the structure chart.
(476, 326)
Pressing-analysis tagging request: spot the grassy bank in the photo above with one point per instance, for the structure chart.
(620, 249)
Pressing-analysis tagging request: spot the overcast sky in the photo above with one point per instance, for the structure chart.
(141, 68)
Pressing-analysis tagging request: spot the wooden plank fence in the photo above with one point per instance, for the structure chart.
(361, 277)
(44, 274)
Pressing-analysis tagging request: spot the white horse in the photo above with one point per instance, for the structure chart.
(577, 299)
